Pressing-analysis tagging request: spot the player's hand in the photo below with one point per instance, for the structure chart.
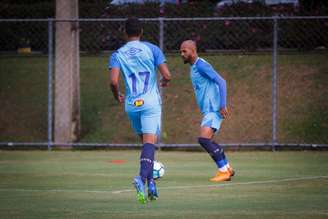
(224, 112)
(164, 82)
(121, 98)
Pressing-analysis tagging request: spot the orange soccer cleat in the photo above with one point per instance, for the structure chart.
(231, 171)
(221, 176)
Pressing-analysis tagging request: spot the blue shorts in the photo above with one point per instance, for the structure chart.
(147, 121)
(212, 120)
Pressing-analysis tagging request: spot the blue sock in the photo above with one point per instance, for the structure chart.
(150, 174)
(222, 152)
(147, 161)
(214, 151)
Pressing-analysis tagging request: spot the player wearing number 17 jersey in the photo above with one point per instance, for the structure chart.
(138, 61)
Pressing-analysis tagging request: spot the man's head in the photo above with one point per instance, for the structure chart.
(133, 27)
(188, 51)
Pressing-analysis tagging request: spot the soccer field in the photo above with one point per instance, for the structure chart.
(97, 184)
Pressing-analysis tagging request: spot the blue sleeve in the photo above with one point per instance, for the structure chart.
(207, 71)
(159, 57)
(113, 62)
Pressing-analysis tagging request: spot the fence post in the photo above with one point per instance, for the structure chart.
(50, 68)
(161, 33)
(274, 83)
(161, 46)
(67, 96)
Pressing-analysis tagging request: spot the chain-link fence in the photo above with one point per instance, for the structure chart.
(23, 79)
(275, 67)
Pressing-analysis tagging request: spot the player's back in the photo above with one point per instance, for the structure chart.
(138, 65)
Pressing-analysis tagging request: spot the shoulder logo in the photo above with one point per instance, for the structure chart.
(132, 51)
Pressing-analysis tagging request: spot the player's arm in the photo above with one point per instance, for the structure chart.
(207, 71)
(114, 84)
(166, 75)
(114, 76)
(160, 63)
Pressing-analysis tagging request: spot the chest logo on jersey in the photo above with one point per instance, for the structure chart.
(132, 51)
(139, 102)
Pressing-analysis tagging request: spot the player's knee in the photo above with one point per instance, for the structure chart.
(204, 141)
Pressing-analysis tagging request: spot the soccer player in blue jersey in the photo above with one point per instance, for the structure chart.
(138, 62)
(211, 96)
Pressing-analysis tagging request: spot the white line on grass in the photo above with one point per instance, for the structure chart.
(232, 184)
(169, 187)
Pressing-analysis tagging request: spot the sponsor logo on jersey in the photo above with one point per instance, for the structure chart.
(132, 51)
(138, 102)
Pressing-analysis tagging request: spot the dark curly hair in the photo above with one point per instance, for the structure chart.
(133, 27)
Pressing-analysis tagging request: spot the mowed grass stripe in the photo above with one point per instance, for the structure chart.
(224, 184)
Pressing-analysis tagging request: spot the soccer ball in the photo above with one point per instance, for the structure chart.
(158, 170)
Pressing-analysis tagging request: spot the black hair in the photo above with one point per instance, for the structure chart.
(133, 27)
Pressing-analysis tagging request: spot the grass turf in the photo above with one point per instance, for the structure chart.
(92, 184)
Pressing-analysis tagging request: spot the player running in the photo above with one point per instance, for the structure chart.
(211, 92)
(138, 62)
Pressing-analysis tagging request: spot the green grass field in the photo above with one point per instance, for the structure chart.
(87, 184)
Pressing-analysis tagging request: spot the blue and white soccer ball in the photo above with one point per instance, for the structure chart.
(158, 170)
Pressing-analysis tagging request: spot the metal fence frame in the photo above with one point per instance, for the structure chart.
(273, 144)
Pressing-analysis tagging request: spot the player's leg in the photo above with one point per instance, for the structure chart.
(205, 140)
(152, 190)
(147, 160)
(151, 123)
(230, 169)
(138, 182)
(146, 165)
(210, 124)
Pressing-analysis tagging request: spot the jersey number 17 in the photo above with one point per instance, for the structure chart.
(143, 75)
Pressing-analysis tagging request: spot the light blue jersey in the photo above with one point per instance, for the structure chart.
(210, 88)
(138, 63)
